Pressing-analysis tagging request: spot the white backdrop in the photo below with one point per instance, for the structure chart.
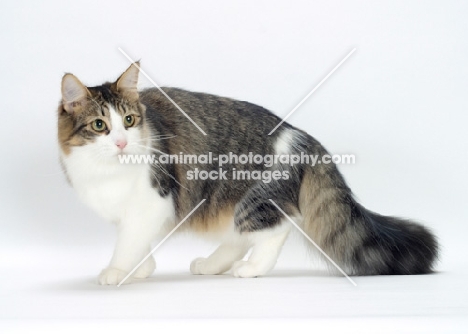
(399, 103)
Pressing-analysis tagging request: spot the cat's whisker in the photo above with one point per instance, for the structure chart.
(153, 149)
(162, 136)
(151, 139)
(168, 174)
(156, 150)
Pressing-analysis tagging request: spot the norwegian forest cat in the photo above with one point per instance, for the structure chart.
(97, 126)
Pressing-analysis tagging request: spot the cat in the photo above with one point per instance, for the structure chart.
(97, 126)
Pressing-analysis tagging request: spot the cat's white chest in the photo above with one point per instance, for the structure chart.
(111, 195)
(113, 190)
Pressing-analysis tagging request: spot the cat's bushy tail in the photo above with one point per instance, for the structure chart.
(360, 241)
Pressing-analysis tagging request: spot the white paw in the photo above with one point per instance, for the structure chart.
(202, 266)
(112, 276)
(146, 269)
(196, 267)
(245, 269)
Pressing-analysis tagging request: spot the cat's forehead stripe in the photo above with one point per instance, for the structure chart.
(104, 108)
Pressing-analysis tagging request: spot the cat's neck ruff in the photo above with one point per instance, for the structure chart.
(107, 185)
(82, 166)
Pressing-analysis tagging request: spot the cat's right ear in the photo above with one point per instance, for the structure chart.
(74, 93)
(128, 81)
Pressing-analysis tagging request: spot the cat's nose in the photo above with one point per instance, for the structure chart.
(121, 144)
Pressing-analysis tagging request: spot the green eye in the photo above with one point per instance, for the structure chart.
(129, 120)
(98, 125)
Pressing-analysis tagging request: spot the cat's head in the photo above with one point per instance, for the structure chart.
(104, 121)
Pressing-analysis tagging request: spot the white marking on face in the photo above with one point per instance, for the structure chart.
(118, 132)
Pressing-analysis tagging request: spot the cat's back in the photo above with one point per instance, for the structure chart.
(212, 113)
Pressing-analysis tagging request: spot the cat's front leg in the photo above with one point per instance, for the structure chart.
(113, 276)
(145, 217)
(133, 244)
(136, 232)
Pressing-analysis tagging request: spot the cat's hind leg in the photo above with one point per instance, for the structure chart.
(266, 228)
(221, 260)
(267, 246)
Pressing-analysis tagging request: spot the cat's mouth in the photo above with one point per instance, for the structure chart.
(122, 153)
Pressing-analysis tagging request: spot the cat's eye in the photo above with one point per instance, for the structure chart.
(129, 120)
(99, 125)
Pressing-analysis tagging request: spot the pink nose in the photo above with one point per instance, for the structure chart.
(121, 144)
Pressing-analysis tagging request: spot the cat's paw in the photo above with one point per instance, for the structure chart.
(246, 269)
(146, 269)
(197, 266)
(202, 266)
(112, 276)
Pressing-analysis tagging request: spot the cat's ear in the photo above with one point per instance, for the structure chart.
(128, 81)
(74, 93)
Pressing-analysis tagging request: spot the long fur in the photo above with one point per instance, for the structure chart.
(238, 212)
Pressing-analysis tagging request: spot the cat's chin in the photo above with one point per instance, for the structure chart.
(123, 157)
(114, 157)
(124, 154)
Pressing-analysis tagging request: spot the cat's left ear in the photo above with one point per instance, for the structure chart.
(128, 81)
(74, 93)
